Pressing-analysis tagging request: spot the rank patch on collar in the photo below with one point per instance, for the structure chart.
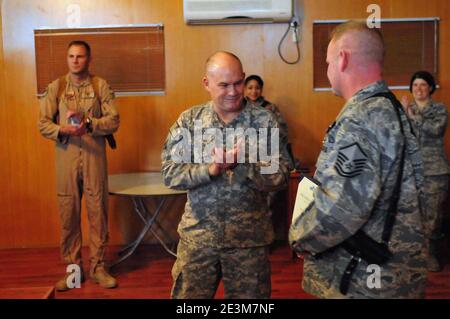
(351, 161)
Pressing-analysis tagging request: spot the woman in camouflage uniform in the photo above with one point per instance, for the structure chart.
(429, 119)
(253, 93)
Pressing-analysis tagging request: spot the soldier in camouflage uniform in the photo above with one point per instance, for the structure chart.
(226, 227)
(357, 170)
(253, 92)
(429, 119)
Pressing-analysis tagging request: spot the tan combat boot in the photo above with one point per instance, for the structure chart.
(100, 276)
(61, 285)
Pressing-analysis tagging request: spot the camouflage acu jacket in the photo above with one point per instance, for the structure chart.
(430, 124)
(229, 210)
(261, 102)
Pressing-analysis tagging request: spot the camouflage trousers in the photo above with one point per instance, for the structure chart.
(198, 270)
(435, 194)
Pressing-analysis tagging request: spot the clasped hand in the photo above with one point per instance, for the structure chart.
(74, 129)
(223, 159)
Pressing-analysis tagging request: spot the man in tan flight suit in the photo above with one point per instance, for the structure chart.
(77, 112)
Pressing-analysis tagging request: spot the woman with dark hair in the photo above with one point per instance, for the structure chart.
(429, 119)
(253, 93)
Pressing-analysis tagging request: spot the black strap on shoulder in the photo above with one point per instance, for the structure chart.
(392, 211)
(95, 85)
(393, 203)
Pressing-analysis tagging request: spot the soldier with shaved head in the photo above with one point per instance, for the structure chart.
(226, 228)
(368, 204)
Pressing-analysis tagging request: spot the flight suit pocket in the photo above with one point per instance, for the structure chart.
(92, 104)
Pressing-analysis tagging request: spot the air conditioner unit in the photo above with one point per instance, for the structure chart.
(237, 11)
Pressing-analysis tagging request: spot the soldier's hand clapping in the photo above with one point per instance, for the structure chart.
(224, 160)
(407, 106)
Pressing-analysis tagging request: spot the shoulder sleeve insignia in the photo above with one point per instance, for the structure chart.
(351, 161)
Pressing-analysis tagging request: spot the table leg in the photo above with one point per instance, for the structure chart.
(140, 210)
(163, 244)
(144, 211)
(138, 204)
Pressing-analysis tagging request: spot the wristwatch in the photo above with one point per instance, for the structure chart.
(89, 125)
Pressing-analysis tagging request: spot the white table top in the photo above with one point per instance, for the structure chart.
(139, 184)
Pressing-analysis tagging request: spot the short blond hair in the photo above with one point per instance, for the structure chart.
(369, 42)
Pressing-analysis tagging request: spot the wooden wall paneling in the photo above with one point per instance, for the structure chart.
(29, 199)
(6, 212)
(31, 209)
(416, 51)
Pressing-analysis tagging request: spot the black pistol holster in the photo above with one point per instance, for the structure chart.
(362, 246)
